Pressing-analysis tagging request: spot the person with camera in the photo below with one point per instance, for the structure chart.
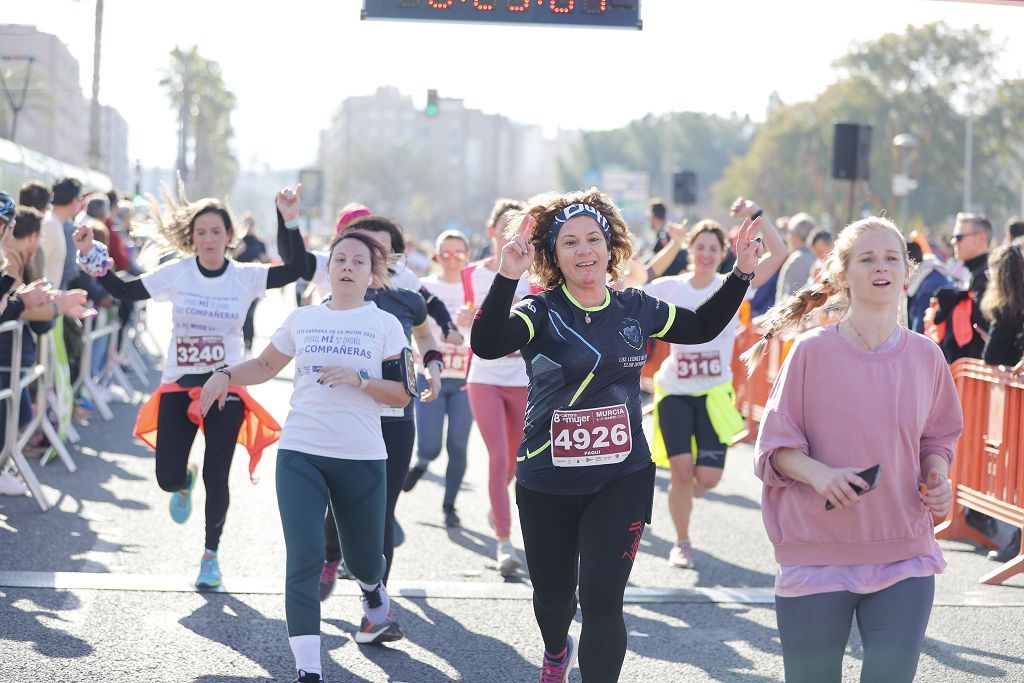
(585, 480)
(854, 451)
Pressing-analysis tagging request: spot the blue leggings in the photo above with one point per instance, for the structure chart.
(356, 490)
(454, 403)
(814, 630)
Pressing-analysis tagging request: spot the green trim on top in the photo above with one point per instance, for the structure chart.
(529, 324)
(531, 454)
(583, 386)
(671, 319)
(577, 304)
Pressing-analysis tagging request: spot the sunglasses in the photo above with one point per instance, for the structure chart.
(956, 239)
(457, 255)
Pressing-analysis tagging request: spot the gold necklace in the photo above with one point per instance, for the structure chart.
(857, 332)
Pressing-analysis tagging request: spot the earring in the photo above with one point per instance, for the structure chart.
(906, 287)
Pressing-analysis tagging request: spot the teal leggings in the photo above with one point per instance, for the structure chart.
(357, 491)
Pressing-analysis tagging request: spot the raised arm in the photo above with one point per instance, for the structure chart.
(775, 248)
(95, 261)
(298, 263)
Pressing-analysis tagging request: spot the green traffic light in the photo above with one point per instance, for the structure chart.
(431, 110)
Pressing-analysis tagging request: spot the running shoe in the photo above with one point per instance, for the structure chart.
(413, 476)
(181, 501)
(681, 555)
(557, 670)
(209, 572)
(305, 677)
(373, 634)
(451, 519)
(328, 578)
(508, 559)
(399, 535)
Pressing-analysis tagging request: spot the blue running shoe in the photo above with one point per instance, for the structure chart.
(209, 571)
(181, 501)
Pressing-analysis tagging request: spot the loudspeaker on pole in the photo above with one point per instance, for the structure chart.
(851, 151)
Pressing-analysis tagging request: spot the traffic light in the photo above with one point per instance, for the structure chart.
(684, 188)
(432, 107)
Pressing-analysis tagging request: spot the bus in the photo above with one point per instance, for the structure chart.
(18, 164)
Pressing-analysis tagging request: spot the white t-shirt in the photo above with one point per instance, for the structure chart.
(54, 247)
(456, 358)
(690, 370)
(343, 422)
(403, 279)
(509, 371)
(208, 312)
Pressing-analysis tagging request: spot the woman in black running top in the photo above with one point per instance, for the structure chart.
(585, 481)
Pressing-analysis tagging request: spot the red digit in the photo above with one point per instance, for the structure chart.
(519, 7)
(562, 6)
(440, 4)
(485, 6)
(595, 6)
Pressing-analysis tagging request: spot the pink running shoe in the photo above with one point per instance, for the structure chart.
(557, 671)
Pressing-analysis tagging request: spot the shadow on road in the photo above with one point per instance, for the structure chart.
(38, 623)
(978, 663)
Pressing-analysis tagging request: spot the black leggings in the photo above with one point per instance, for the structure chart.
(589, 540)
(399, 436)
(814, 630)
(175, 434)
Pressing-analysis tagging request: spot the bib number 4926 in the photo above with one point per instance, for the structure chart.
(595, 436)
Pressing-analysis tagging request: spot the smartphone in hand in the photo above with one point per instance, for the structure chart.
(870, 475)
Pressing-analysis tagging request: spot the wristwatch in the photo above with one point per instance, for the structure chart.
(364, 378)
(746, 277)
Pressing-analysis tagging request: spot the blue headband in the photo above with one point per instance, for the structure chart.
(572, 211)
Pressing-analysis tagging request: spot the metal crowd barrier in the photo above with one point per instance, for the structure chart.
(988, 471)
(12, 448)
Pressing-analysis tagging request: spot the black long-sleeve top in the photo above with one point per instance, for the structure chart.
(296, 262)
(495, 333)
(584, 365)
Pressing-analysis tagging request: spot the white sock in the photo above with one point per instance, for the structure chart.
(306, 650)
(380, 614)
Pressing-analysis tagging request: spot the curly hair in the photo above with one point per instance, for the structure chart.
(544, 272)
(501, 207)
(829, 291)
(175, 225)
(1004, 295)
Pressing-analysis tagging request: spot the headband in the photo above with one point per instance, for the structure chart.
(572, 211)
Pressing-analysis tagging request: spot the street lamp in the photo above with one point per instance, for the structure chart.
(903, 184)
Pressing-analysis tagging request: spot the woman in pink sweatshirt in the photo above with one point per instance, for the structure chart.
(850, 396)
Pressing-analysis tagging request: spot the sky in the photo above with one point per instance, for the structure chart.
(291, 64)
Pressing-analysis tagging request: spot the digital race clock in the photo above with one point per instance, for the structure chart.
(606, 13)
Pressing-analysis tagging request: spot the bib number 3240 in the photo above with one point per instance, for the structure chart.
(199, 352)
(595, 436)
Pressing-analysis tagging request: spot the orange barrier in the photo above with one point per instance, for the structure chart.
(988, 471)
(752, 392)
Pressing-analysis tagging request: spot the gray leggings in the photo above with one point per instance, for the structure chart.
(814, 630)
(357, 494)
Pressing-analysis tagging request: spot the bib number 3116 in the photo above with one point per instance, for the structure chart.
(595, 436)
(199, 352)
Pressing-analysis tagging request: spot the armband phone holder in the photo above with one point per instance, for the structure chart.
(402, 369)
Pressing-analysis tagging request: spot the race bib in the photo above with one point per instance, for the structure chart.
(595, 436)
(199, 353)
(455, 359)
(693, 365)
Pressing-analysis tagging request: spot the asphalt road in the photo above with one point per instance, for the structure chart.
(99, 588)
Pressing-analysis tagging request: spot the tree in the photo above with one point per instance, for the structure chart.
(923, 81)
(196, 88)
(705, 143)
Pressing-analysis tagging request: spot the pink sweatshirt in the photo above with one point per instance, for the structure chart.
(850, 408)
